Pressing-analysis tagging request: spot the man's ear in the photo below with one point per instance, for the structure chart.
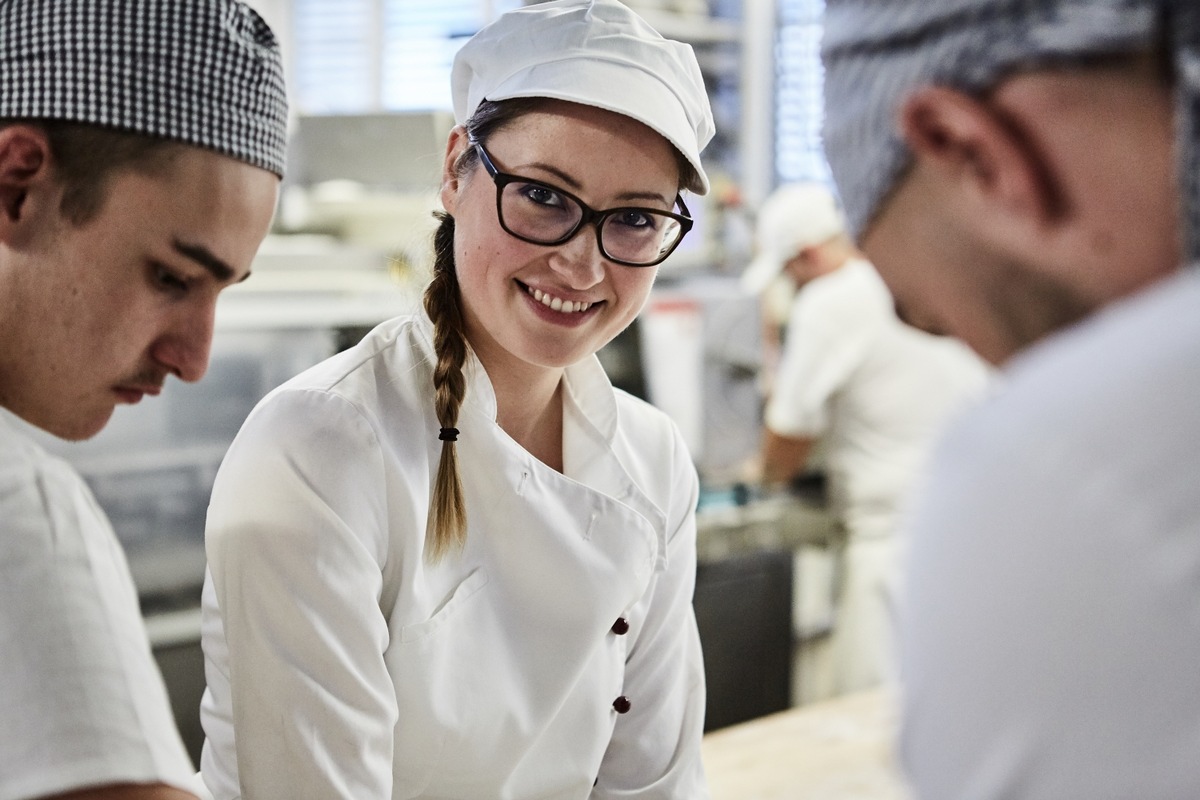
(456, 144)
(24, 164)
(975, 149)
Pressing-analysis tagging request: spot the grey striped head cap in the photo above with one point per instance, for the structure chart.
(876, 53)
(204, 72)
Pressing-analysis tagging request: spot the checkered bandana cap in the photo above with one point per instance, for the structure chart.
(876, 53)
(204, 72)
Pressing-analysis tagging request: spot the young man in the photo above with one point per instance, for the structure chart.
(141, 145)
(873, 391)
(1024, 175)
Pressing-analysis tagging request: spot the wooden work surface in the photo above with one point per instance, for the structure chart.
(840, 749)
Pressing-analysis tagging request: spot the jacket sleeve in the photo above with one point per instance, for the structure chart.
(1050, 625)
(81, 698)
(655, 748)
(296, 539)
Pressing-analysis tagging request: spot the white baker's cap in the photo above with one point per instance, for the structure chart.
(595, 52)
(794, 217)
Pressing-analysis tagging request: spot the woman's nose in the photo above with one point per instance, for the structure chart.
(580, 260)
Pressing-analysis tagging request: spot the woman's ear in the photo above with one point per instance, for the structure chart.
(24, 164)
(456, 144)
(978, 153)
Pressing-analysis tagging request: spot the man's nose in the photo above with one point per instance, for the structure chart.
(185, 347)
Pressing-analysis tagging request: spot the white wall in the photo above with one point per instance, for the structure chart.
(275, 12)
(278, 14)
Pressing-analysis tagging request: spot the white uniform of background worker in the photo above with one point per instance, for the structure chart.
(141, 145)
(871, 390)
(362, 639)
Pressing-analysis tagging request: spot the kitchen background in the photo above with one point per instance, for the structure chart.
(369, 91)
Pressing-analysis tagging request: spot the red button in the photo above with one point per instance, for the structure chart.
(622, 704)
(621, 626)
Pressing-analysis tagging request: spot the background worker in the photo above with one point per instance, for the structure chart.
(141, 145)
(1027, 176)
(872, 391)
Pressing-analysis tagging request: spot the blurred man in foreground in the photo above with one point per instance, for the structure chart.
(141, 145)
(1024, 175)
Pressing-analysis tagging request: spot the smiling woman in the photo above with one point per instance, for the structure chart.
(454, 561)
(520, 338)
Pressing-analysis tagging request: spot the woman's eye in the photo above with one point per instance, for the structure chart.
(637, 219)
(542, 195)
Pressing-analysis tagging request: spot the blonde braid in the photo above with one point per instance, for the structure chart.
(446, 526)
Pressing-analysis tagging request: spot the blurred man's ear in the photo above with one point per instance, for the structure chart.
(978, 155)
(24, 164)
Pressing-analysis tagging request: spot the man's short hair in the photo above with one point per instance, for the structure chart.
(86, 157)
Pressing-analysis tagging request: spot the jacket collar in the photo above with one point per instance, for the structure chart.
(590, 417)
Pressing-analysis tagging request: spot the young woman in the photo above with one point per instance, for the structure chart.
(453, 562)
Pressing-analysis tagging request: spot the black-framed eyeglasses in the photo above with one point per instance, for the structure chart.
(541, 213)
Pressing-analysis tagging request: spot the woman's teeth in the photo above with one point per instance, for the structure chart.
(558, 304)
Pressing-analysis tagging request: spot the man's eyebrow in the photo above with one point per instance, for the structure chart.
(205, 258)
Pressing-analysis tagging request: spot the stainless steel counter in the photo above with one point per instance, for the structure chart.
(778, 522)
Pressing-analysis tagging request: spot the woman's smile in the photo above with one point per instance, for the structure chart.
(556, 310)
(557, 303)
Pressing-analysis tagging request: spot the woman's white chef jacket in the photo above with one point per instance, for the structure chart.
(340, 663)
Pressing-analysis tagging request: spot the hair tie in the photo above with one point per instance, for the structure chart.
(449, 435)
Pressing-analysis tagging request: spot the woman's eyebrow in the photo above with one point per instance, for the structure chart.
(577, 186)
(669, 201)
(558, 173)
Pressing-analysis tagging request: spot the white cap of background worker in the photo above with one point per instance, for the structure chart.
(795, 217)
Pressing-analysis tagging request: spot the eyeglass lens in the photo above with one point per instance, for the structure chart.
(536, 212)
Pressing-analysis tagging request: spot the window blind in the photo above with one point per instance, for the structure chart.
(798, 94)
(332, 58)
(359, 56)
